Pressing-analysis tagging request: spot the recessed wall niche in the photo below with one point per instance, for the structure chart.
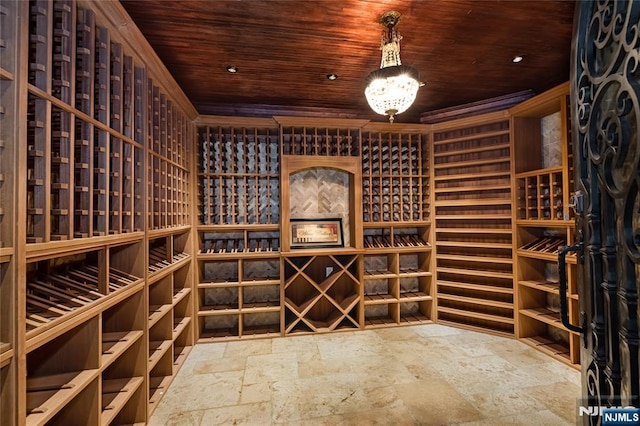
(321, 193)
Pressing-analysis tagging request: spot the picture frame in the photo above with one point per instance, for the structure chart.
(316, 233)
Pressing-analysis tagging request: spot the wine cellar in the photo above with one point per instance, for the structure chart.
(133, 228)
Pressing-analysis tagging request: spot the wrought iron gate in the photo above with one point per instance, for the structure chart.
(605, 99)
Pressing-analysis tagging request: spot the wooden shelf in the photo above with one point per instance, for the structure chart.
(115, 395)
(47, 395)
(476, 272)
(115, 344)
(157, 349)
(479, 315)
(477, 287)
(476, 301)
(549, 347)
(549, 287)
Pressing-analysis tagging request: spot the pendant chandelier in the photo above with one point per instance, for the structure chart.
(392, 89)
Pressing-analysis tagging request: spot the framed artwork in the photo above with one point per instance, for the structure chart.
(309, 233)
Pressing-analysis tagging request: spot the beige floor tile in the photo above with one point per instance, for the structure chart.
(402, 334)
(180, 418)
(246, 414)
(308, 398)
(219, 365)
(398, 416)
(247, 347)
(560, 398)
(201, 392)
(271, 367)
(536, 418)
(258, 392)
(435, 402)
(504, 402)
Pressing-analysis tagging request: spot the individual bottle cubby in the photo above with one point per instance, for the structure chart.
(123, 362)
(320, 141)
(395, 177)
(64, 287)
(231, 241)
(239, 174)
(540, 195)
(62, 378)
(322, 293)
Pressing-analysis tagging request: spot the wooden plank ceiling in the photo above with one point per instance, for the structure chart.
(284, 49)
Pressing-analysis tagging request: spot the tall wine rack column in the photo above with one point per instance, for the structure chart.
(544, 223)
(472, 196)
(398, 264)
(9, 143)
(321, 173)
(170, 270)
(74, 275)
(239, 233)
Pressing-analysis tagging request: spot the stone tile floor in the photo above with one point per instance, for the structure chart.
(417, 375)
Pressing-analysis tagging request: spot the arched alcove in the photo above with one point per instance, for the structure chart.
(322, 188)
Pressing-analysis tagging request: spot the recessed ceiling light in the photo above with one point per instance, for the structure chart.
(332, 76)
(232, 69)
(517, 59)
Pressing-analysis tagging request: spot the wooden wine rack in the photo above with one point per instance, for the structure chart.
(239, 290)
(75, 238)
(84, 171)
(397, 280)
(395, 177)
(321, 292)
(472, 199)
(170, 308)
(239, 175)
(322, 141)
(544, 225)
(168, 183)
(540, 195)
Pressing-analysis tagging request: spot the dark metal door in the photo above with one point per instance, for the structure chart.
(605, 101)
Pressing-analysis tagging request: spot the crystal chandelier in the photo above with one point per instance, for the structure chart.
(392, 89)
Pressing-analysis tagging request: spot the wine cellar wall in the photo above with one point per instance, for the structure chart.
(95, 220)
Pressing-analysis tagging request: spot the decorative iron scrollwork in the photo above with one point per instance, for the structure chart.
(605, 97)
